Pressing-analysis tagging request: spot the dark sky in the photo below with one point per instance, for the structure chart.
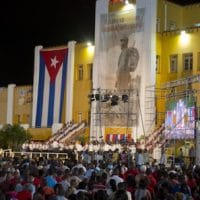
(27, 23)
(185, 2)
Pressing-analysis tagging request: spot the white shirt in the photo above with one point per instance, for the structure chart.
(116, 178)
(163, 159)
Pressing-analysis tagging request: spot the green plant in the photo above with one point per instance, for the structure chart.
(13, 136)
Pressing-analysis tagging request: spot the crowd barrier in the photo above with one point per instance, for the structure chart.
(9, 153)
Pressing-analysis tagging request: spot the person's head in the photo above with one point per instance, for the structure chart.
(143, 169)
(59, 190)
(120, 195)
(122, 186)
(81, 196)
(116, 171)
(113, 185)
(100, 194)
(38, 196)
(124, 42)
(130, 181)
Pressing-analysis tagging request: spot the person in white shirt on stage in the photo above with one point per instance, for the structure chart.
(78, 146)
(85, 147)
(91, 147)
(163, 158)
(106, 147)
(71, 146)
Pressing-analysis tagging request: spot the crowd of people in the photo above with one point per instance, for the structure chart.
(103, 174)
(56, 146)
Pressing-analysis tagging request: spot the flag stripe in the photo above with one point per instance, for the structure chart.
(40, 92)
(51, 104)
(64, 76)
(45, 98)
(57, 96)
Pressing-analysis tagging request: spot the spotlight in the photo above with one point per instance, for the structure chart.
(97, 97)
(105, 98)
(114, 100)
(125, 98)
(92, 97)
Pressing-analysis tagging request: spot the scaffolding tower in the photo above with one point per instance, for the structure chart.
(104, 114)
(112, 108)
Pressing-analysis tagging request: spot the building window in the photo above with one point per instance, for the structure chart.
(158, 25)
(173, 63)
(79, 117)
(198, 61)
(89, 116)
(187, 61)
(90, 71)
(80, 72)
(28, 119)
(18, 119)
(172, 25)
(157, 64)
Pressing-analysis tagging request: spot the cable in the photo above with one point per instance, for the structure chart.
(141, 118)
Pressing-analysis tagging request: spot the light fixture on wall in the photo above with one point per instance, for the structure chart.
(184, 38)
(114, 100)
(126, 2)
(105, 98)
(125, 98)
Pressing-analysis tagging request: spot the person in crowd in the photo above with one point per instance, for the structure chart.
(42, 178)
(142, 192)
(163, 159)
(192, 154)
(115, 176)
(59, 192)
(146, 157)
(139, 158)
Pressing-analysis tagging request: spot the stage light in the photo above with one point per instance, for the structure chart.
(105, 98)
(92, 97)
(125, 98)
(126, 2)
(97, 97)
(89, 44)
(114, 100)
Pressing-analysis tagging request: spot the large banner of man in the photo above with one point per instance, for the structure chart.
(125, 63)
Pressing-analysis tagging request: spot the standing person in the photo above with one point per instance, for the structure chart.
(146, 157)
(163, 159)
(127, 63)
(192, 154)
(142, 192)
(139, 159)
(181, 158)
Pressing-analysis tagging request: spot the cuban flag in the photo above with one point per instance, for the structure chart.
(51, 86)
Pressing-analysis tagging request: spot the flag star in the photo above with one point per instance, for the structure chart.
(54, 62)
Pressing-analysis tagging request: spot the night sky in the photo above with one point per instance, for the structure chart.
(25, 24)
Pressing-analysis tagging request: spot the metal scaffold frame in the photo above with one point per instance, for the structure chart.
(109, 105)
(174, 89)
(185, 88)
(153, 118)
